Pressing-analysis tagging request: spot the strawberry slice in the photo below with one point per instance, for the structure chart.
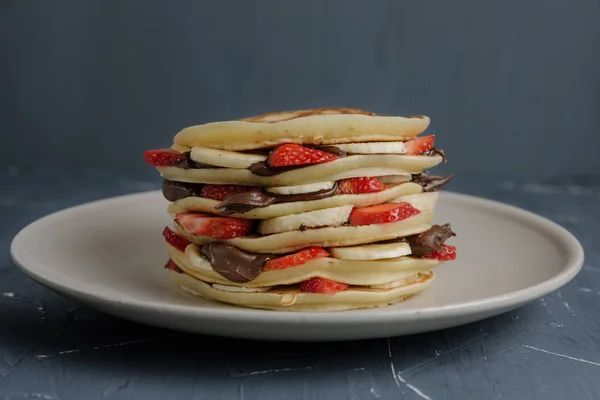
(447, 254)
(419, 145)
(214, 227)
(174, 239)
(162, 157)
(219, 192)
(365, 184)
(322, 286)
(172, 266)
(382, 213)
(293, 260)
(289, 154)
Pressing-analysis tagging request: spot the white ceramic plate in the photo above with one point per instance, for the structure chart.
(109, 255)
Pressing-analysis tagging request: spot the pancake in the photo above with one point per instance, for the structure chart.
(201, 204)
(342, 168)
(292, 299)
(318, 127)
(351, 272)
(348, 235)
(327, 209)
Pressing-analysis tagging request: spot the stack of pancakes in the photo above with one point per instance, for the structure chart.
(316, 210)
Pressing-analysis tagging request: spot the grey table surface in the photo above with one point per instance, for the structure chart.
(53, 348)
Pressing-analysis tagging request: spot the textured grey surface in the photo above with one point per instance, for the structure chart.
(51, 348)
(497, 77)
(511, 86)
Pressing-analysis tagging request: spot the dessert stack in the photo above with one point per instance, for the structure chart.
(310, 210)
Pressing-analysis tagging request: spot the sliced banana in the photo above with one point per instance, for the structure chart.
(299, 189)
(313, 219)
(393, 179)
(240, 289)
(421, 201)
(371, 251)
(373, 148)
(224, 158)
(345, 167)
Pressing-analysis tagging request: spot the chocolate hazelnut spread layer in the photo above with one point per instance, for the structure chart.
(429, 241)
(431, 183)
(233, 264)
(241, 202)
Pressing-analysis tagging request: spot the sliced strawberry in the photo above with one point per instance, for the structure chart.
(322, 285)
(289, 154)
(419, 145)
(214, 227)
(219, 192)
(447, 254)
(172, 266)
(365, 184)
(382, 213)
(174, 239)
(293, 260)
(163, 157)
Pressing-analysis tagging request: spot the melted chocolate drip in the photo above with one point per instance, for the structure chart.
(429, 241)
(243, 202)
(262, 169)
(174, 191)
(431, 183)
(320, 194)
(435, 151)
(234, 264)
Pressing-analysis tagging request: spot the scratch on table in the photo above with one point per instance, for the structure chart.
(106, 346)
(439, 353)
(398, 379)
(374, 393)
(13, 366)
(9, 294)
(115, 389)
(414, 388)
(562, 355)
(585, 290)
(392, 366)
(270, 371)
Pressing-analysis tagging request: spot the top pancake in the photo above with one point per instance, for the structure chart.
(323, 126)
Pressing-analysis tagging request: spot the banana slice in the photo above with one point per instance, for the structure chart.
(224, 158)
(393, 179)
(313, 219)
(240, 289)
(310, 188)
(371, 251)
(373, 148)
(420, 201)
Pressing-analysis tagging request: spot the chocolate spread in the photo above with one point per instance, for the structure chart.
(429, 241)
(431, 183)
(435, 151)
(243, 202)
(174, 191)
(233, 264)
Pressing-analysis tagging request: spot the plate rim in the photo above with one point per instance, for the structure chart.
(572, 266)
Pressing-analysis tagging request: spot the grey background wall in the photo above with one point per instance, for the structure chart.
(511, 86)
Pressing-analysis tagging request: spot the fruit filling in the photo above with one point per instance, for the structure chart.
(295, 259)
